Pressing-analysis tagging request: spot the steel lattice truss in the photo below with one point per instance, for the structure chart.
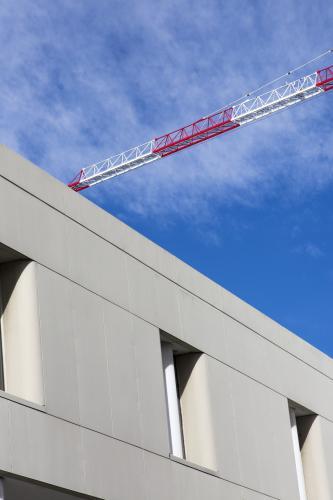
(206, 128)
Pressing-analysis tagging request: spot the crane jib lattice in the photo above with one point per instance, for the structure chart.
(222, 121)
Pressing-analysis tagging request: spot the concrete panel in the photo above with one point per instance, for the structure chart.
(153, 297)
(97, 220)
(299, 382)
(327, 446)
(122, 377)
(113, 470)
(247, 494)
(35, 180)
(43, 241)
(99, 464)
(203, 326)
(246, 351)
(196, 283)
(46, 448)
(191, 484)
(247, 432)
(136, 380)
(142, 290)
(167, 264)
(42, 232)
(209, 487)
(274, 332)
(251, 432)
(184, 483)
(6, 451)
(158, 477)
(271, 429)
(222, 419)
(168, 313)
(10, 225)
(96, 264)
(143, 249)
(267, 363)
(149, 372)
(217, 488)
(263, 438)
(58, 346)
(91, 358)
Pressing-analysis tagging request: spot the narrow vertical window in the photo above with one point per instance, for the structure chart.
(189, 418)
(297, 454)
(2, 376)
(173, 404)
(21, 372)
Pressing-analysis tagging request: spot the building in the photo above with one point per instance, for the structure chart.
(127, 375)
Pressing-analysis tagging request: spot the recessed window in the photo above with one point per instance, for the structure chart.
(297, 454)
(2, 378)
(20, 350)
(173, 400)
(306, 449)
(183, 377)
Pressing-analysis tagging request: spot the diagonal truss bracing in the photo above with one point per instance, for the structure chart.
(218, 123)
(277, 99)
(115, 165)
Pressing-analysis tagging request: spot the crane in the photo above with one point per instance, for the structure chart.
(224, 120)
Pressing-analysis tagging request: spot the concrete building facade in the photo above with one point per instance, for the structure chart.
(127, 375)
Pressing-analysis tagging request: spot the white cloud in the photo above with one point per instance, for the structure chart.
(82, 81)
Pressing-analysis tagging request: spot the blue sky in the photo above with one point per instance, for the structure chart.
(252, 210)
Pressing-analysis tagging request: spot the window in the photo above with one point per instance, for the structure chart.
(306, 444)
(20, 346)
(173, 401)
(297, 454)
(2, 376)
(185, 376)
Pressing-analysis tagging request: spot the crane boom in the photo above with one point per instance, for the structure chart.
(225, 120)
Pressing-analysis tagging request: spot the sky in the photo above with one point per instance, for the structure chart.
(252, 210)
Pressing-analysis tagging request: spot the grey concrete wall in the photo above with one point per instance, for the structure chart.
(104, 292)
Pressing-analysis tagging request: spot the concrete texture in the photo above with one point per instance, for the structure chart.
(92, 419)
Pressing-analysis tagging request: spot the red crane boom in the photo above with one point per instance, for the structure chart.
(225, 120)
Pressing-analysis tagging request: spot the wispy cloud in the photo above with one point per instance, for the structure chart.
(311, 249)
(83, 80)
